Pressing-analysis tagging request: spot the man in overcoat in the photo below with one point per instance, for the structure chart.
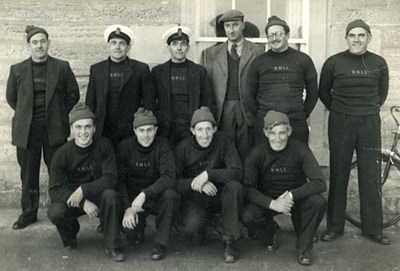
(42, 91)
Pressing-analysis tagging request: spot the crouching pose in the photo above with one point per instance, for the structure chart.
(146, 180)
(82, 177)
(209, 172)
(283, 176)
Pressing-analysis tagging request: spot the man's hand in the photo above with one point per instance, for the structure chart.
(131, 219)
(137, 203)
(90, 209)
(75, 198)
(199, 181)
(283, 204)
(209, 189)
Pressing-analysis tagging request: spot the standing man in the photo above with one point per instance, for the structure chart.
(209, 173)
(82, 179)
(181, 87)
(118, 86)
(283, 177)
(41, 90)
(353, 86)
(227, 65)
(146, 182)
(277, 80)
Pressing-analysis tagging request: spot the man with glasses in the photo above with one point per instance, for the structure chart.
(41, 90)
(277, 80)
(353, 86)
(227, 65)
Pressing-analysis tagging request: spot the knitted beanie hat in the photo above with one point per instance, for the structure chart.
(202, 114)
(275, 20)
(357, 23)
(144, 117)
(274, 117)
(33, 30)
(80, 111)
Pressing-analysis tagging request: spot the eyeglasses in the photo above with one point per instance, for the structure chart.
(276, 35)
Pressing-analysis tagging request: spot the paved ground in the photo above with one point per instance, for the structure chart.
(39, 248)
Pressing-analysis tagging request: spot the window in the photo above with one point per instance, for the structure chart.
(294, 12)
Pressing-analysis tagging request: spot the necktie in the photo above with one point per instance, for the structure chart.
(234, 53)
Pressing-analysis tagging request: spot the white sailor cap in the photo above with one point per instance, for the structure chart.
(118, 31)
(177, 32)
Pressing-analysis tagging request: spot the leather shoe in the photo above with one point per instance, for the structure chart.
(19, 225)
(304, 258)
(231, 253)
(271, 241)
(72, 244)
(378, 238)
(330, 236)
(158, 252)
(116, 254)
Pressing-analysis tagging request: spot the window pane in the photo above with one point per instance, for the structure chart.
(255, 11)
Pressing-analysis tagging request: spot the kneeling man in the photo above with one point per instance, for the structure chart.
(83, 174)
(146, 172)
(283, 177)
(209, 173)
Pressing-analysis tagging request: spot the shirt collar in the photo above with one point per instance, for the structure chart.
(238, 48)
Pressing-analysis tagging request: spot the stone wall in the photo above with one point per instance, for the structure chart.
(76, 30)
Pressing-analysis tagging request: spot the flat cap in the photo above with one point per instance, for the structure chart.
(118, 31)
(232, 15)
(177, 32)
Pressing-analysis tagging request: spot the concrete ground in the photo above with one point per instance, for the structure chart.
(39, 247)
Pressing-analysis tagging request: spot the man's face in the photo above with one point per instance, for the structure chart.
(39, 46)
(204, 132)
(234, 30)
(357, 40)
(178, 50)
(277, 38)
(83, 131)
(278, 136)
(145, 134)
(119, 49)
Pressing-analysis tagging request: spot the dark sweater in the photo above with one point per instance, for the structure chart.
(268, 173)
(354, 84)
(221, 161)
(149, 170)
(93, 168)
(39, 72)
(277, 82)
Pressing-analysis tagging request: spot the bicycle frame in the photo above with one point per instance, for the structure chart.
(393, 154)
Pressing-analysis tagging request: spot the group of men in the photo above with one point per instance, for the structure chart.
(184, 140)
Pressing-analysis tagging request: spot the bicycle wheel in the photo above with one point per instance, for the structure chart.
(390, 199)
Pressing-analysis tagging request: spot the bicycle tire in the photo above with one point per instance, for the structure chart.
(390, 217)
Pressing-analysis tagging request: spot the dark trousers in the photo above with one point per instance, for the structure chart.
(234, 125)
(300, 130)
(306, 215)
(110, 212)
(165, 208)
(362, 134)
(29, 161)
(229, 201)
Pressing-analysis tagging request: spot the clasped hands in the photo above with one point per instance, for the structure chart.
(201, 184)
(283, 204)
(89, 207)
(131, 216)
